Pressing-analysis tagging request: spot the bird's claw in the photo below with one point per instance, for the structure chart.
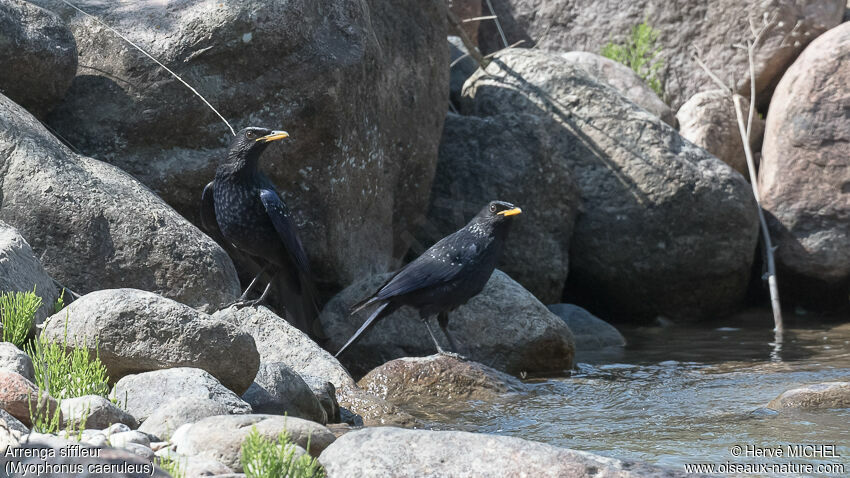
(242, 303)
(453, 355)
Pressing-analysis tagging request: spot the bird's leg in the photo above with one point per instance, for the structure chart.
(443, 320)
(243, 298)
(253, 303)
(253, 281)
(436, 344)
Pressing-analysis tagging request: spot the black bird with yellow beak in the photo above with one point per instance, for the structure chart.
(446, 276)
(242, 206)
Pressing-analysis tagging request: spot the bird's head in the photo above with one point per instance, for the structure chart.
(249, 143)
(498, 212)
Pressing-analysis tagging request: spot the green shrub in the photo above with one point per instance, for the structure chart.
(67, 371)
(264, 458)
(640, 54)
(18, 310)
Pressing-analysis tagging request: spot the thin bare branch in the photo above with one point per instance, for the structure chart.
(458, 60)
(745, 131)
(144, 52)
(707, 70)
(472, 50)
(477, 19)
(752, 110)
(768, 244)
(491, 55)
(498, 23)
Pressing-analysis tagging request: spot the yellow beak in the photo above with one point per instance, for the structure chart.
(511, 212)
(274, 136)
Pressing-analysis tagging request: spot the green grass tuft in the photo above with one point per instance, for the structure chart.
(172, 467)
(18, 310)
(264, 458)
(42, 420)
(67, 371)
(60, 303)
(641, 54)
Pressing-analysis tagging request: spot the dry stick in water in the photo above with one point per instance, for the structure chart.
(137, 47)
(745, 130)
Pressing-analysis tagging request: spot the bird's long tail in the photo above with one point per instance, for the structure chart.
(379, 313)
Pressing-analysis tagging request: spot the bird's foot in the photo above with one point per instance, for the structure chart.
(453, 355)
(242, 303)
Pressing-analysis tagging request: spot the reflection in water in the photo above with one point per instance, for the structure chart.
(677, 395)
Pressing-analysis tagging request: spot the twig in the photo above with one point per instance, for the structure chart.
(476, 19)
(498, 23)
(142, 50)
(745, 131)
(715, 78)
(470, 47)
(512, 45)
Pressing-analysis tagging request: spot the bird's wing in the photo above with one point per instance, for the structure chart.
(435, 266)
(285, 227)
(208, 210)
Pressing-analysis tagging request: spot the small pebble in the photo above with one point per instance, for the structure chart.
(97, 440)
(140, 450)
(117, 428)
(118, 440)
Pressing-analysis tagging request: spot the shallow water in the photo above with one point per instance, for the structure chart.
(681, 394)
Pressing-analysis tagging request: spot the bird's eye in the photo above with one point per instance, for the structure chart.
(492, 208)
(250, 134)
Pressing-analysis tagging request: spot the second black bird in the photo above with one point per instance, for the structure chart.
(447, 275)
(243, 206)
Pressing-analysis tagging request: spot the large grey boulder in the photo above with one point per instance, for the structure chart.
(503, 327)
(278, 390)
(13, 359)
(393, 452)
(278, 341)
(220, 438)
(20, 271)
(712, 28)
(510, 158)
(361, 86)
(38, 54)
(708, 120)
(143, 394)
(93, 226)
(137, 331)
(804, 177)
(623, 79)
(665, 227)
